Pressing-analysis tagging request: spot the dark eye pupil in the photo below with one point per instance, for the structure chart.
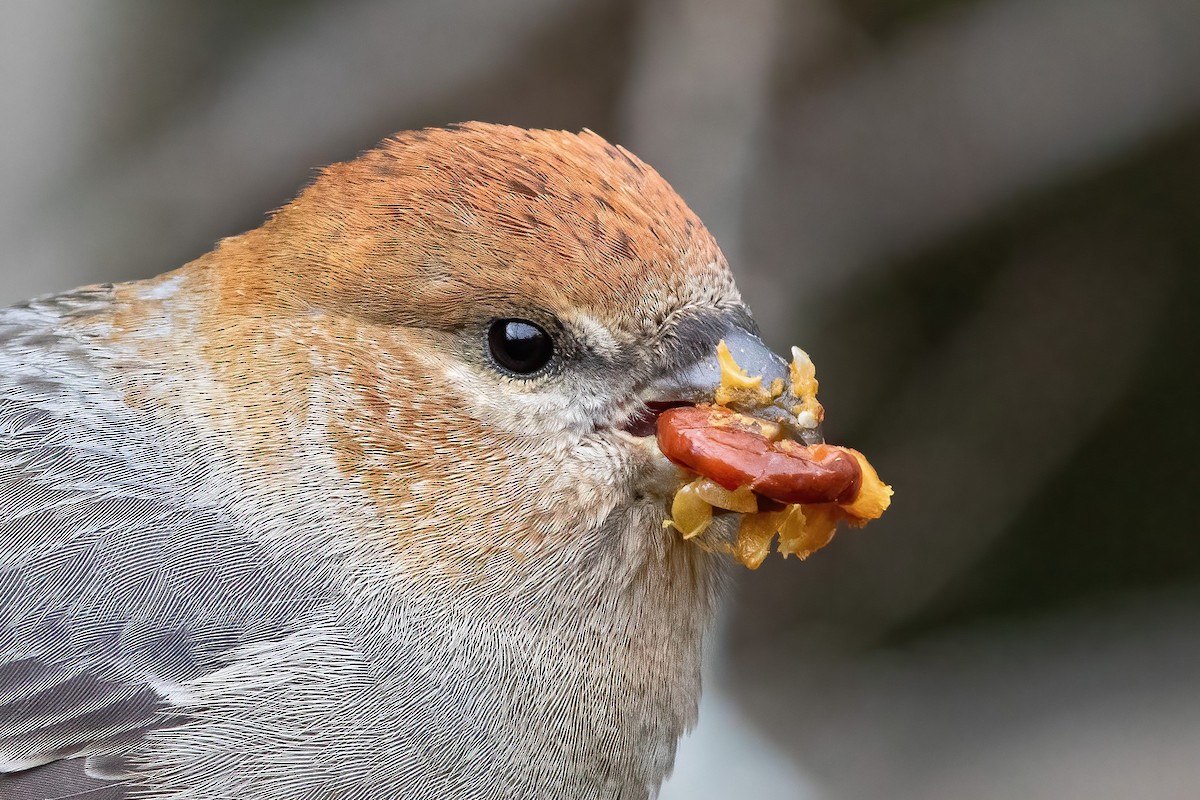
(520, 346)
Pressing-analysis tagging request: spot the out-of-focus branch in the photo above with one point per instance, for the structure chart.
(309, 88)
(956, 119)
(698, 100)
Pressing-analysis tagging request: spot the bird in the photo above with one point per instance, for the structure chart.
(362, 503)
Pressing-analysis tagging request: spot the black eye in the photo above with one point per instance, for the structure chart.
(520, 346)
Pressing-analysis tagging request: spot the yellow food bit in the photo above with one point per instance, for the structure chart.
(754, 537)
(873, 498)
(807, 529)
(808, 412)
(736, 384)
(731, 373)
(804, 374)
(689, 513)
(741, 499)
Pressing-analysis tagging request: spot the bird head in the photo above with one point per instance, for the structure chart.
(468, 333)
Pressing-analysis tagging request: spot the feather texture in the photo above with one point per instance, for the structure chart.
(274, 527)
(116, 589)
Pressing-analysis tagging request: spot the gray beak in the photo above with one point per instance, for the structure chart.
(697, 382)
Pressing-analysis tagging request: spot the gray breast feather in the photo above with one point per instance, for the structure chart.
(115, 585)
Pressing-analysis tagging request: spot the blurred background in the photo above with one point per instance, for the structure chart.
(981, 217)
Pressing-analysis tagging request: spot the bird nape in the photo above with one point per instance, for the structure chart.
(408, 492)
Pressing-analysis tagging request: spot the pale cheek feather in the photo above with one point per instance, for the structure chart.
(544, 412)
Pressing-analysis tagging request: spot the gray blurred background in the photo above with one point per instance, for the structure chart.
(981, 217)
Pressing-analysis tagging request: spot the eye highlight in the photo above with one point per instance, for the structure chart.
(519, 346)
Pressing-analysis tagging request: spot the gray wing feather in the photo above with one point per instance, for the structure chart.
(114, 587)
(61, 780)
